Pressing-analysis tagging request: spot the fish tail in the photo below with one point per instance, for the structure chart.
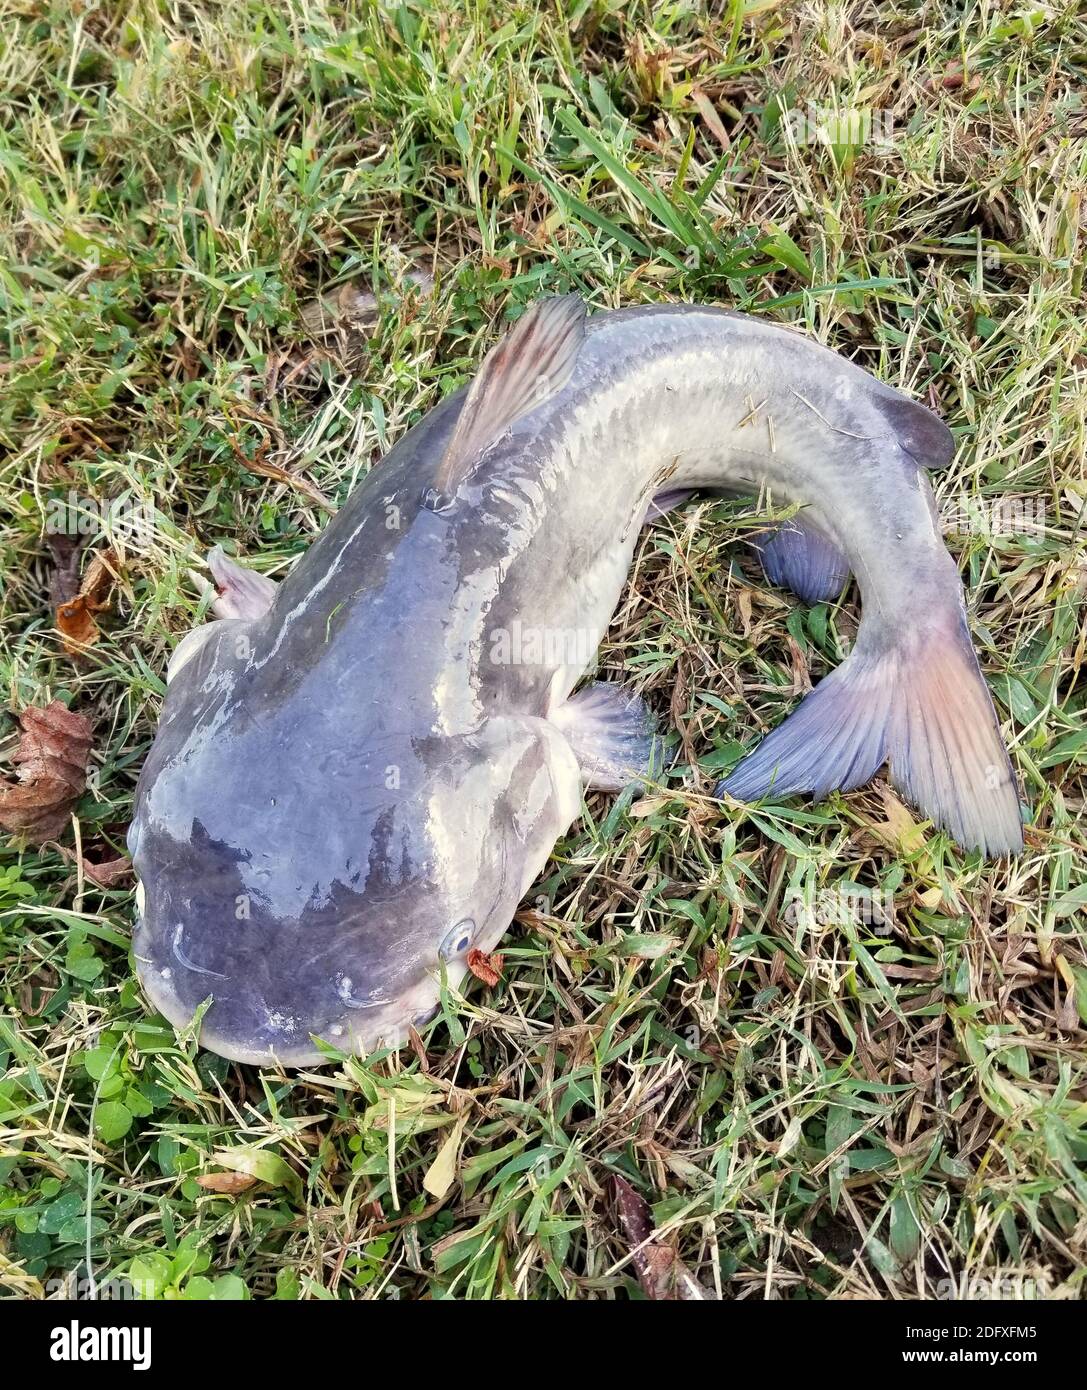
(915, 699)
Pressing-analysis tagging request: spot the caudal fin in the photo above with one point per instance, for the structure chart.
(917, 701)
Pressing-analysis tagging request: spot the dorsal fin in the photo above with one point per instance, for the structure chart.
(532, 362)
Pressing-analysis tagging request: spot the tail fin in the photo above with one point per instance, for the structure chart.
(917, 701)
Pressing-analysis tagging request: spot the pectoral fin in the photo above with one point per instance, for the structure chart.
(239, 592)
(613, 735)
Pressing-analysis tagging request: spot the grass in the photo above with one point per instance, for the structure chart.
(839, 1057)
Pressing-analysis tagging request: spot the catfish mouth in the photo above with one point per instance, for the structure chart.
(285, 1040)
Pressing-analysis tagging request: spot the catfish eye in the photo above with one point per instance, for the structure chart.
(457, 940)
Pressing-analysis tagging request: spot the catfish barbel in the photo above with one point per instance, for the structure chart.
(360, 771)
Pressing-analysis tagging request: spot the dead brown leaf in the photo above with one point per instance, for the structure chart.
(743, 604)
(76, 616)
(661, 1273)
(708, 112)
(106, 873)
(799, 663)
(110, 872)
(51, 758)
(226, 1184)
(484, 967)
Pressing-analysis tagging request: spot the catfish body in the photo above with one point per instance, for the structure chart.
(359, 773)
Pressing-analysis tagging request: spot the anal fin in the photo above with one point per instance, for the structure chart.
(800, 557)
(613, 736)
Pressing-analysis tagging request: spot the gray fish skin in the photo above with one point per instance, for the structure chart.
(354, 786)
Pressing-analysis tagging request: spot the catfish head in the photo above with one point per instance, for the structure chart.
(305, 880)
